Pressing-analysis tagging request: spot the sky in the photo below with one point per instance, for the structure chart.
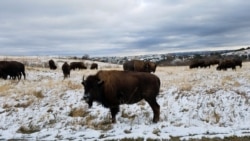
(121, 27)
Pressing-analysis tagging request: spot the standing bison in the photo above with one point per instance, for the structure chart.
(112, 88)
(152, 66)
(66, 70)
(139, 66)
(94, 66)
(52, 65)
(77, 65)
(13, 69)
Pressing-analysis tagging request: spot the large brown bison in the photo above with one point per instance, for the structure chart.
(13, 69)
(66, 70)
(112, 88)
(94, 66)
(52, 65)
(139, 66)
(77, 65)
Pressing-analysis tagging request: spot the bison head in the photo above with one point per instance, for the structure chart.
(92, 89)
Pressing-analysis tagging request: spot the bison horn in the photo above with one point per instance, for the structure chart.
(100, 82)
(83, 83)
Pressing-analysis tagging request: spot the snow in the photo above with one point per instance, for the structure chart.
(194, 103)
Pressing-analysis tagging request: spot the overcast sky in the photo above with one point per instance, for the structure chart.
(121, 27)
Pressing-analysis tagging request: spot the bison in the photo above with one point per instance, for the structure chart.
(202, 63)
(77, 65)
(113, 88)
(225, 64)
(13, 69)
(139, 66)
(152, 66)
(94, 66)
(66, 70)
(52, 65)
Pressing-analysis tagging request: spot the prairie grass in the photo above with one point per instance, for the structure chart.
(78, 112)
(28, 130)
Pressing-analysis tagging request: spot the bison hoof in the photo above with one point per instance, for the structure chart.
(113, 121)
(155, 120)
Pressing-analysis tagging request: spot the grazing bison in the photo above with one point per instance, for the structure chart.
(225, 64)
(52, 65)
(238, 62)
(202, 63)
(77, 65)
(94, 66)
(137, 65)
(13, 69)
(112, 88)
(66, 70)
(152, 66)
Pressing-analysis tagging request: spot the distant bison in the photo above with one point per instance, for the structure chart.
(199, 63)
(229, 63)
(52, 65)
(94, 66)
(139, 66)
(77, 65)
(66, 70)
(109, 89)
(152, 66)
(13, 69)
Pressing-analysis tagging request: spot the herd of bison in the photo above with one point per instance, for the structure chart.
(15, 69)
(110, 89)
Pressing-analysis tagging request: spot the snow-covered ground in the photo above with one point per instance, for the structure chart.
(194, 103)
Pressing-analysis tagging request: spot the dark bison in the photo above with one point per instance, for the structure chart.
(94, 66)
(77, 65)
(13, 69)
(225, 64)
(229, 63)
(238, 62)
(66, 70)
(139, 66)
(152, 66)
(199, 63)
(112, 88)
(52, 65)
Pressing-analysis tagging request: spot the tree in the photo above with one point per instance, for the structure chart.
(85, 57)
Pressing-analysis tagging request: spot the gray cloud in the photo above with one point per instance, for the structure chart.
(121, 27)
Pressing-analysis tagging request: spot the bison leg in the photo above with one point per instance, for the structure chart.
(156, 109)
(114, 111)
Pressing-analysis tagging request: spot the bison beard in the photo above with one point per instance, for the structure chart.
(112, 88)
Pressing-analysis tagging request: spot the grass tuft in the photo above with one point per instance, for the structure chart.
(78, 112)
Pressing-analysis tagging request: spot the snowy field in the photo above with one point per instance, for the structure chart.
(194, 104)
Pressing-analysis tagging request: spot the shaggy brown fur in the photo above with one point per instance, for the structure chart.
(136, 65)
(112, 88)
